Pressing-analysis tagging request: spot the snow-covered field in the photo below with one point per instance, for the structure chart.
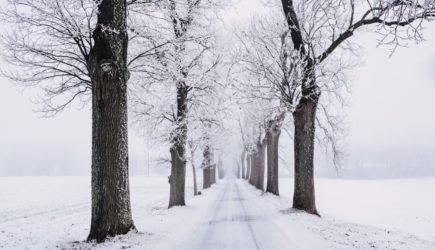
(406, 205)
(54, 212)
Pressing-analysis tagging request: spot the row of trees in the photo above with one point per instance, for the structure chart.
(289, 59)
(88, 50)
(160, 57)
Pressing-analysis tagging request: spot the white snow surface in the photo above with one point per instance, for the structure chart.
(54, 212)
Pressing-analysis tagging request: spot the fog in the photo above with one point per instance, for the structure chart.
(390, 122)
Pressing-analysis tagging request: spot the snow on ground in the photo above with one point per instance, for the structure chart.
(54, 212)
(406, 205)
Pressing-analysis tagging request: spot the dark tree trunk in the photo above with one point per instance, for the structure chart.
(206, 172)
(248, 167)
(304, 123)
(195, 185)
(272, 162)
(261, 151)
(253, 175)
(304, 118)
(177, 179)
(242, 158)
(272, 135)
(111, 210)
(207, 168)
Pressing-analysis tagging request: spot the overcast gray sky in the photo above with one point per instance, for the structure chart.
(391, 113)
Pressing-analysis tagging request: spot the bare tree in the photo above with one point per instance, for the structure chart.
(181, 71)
(293, 64)
(273, 133)
(50, 45)
(251, 123)
(263, 74)
(111, 210)
(317, 29)
(204, 125)
(78, 50)
(259, 163)
(255, 141)
(208, 166)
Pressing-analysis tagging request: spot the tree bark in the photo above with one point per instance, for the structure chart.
(206, 180)
(272, 161)
(304, 118)
(177, 179)
(261, 151)
(248, 167)
(242, 158)
(253, 175)
(273, 133)
(304, 123)
(111, 210)
(207, 168)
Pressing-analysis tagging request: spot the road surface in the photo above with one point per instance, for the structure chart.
(239, 219)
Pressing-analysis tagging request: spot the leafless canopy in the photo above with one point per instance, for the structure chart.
(49, 45)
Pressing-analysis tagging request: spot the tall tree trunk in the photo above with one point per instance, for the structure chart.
(111, 210)
(273, 133)
(207, 168)
(261, 151)
(304, 123)
(177, 179)
(206, 180)
(272, 161)
(242, 158)
(304, 118)
(254, 170)
(195, 186)
(248, 167)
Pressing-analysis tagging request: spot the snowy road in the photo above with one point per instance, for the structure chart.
(239, 220)
(240, 217)
(228, 224)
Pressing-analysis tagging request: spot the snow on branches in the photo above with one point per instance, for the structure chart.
(187, 61)
(49, 46)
